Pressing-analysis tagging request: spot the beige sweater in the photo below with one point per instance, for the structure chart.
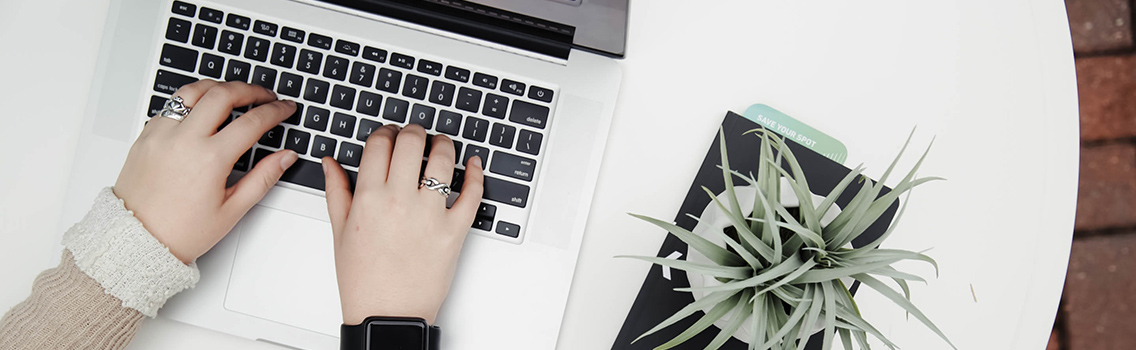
(112, 273)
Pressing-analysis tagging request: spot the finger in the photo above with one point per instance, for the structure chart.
(465, 207)
(406, 160)
(242, 133)
(254, 185)
(375, 164)
(440, 164)
(192, 93)
(339, 196)
(217, 103)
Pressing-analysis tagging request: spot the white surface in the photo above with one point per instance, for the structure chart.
(992, 80)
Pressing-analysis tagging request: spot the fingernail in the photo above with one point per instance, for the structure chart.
(289, 158)
(476, 160)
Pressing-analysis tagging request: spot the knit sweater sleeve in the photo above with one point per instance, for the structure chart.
(112, 273)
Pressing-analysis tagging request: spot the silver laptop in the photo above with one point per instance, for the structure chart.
(528, 85)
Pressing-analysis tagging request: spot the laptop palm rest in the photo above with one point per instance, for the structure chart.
(284, 271)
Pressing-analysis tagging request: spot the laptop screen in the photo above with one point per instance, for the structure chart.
(551, 27)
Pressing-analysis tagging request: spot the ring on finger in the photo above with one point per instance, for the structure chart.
(435, 185)
(175, 109)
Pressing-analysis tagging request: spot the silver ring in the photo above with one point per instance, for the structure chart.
(435, 185)
(175, 109)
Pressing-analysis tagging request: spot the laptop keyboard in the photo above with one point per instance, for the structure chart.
(346, 88)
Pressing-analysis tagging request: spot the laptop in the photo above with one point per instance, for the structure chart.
(528, 85)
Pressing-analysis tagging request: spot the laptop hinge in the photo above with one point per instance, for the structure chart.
(474, 20)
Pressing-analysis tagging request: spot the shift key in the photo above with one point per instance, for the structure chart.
(513, 166)
(506, 192)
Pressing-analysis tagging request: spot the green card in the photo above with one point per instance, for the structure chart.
(795, 130)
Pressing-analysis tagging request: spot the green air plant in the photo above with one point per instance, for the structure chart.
(779, 273)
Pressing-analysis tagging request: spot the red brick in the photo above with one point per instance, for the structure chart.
(1107, 95)
(1100, 293)
(1054, 342)
(1106, 195)
(1099, 25)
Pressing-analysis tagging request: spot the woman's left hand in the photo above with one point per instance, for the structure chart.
(174, 179)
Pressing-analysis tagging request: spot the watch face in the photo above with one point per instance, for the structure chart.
(396, 335)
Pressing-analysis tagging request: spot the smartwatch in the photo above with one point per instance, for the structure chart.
(389, 333)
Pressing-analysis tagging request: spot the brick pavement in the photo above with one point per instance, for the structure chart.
(1100, 287)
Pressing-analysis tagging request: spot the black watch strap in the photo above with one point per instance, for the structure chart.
(355, 337)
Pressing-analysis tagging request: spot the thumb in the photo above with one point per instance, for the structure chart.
(338, 192)
(254, 185)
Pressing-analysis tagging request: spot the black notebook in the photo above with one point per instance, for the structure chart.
(657, 299)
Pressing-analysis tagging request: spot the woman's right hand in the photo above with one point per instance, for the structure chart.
(396, 245)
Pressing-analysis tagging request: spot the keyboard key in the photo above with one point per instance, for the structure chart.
(389, 80)
(319, 41)
(458, 180)
(485, 80)
(305, 173)
(513, 166)
(292, 34)
(422, 115)
(529, 142)
(237, 71)
(468, 99)
(264, 76)
(156, 104)
(486, 210)
(495, 106)
(366, 127)
(316, 118)
(264, 28)
(204, 36)
(402, 61)
(415, 86)
(442, 93)
(283, 55)
(540, 94)
(343, 125)
(211, 66)
(335, 68)
(430, 67)
(449, 122)
(290, 84)
(237, 21)
(168, 82)
(347, 48)
(184, 9)
(257, 49)
(343, 97)
(178, 57)
(482, 224)
(529, 114)
(502, 135)
(362, 74)
(350, 154)
(508, 229)
(506, 192)
(396, 110)
(273, 138)
(178, 29)
(323, 147)
(513, 87)
(297, 141)
(211, 15)
(231, 43)
(369, 104)
(459, 74)
(316, 91)
(377, 55)
(294, 119)
(310, 61)
(476, 129)
(242, 163)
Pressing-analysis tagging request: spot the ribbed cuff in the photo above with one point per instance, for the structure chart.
(112, 247)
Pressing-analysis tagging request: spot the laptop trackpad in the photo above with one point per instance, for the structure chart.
(284, 271)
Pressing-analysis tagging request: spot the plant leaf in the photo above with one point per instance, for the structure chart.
(707, 319)
(822, 275)
(793, 319)
(902, 302)
(709, 299)
(731, 272)
(753, 262)
(829, 314)
(740, 316)
(805, 267)
(712, 251)
(739, 225)
(765, 276)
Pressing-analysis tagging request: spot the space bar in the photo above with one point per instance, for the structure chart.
(310, 174)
